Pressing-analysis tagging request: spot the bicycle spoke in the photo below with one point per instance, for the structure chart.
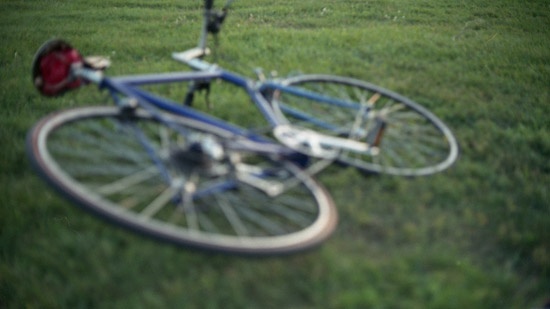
(78, 170)
(254, 216)
(207, 224)
(292, 216)
(126, 182)
(94, 144)
(159, 202)
(137, 197)
(425, 139)
(191, 216)
(295, 203)
(232, 217)
(394, 158)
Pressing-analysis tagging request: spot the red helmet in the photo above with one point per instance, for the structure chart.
(52, 67)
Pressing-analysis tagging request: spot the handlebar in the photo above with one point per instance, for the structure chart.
(212, 21)
(208, 4)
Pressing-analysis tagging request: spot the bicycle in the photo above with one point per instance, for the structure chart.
(171, 172)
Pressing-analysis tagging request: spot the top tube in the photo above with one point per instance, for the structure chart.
(129, 86)
(124, 85)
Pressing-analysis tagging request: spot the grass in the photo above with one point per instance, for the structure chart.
(475, 236)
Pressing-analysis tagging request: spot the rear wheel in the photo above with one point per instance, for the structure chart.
(408, 139)
(155, 179)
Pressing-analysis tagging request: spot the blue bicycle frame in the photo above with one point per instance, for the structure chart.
(204, 71)
(129, 86)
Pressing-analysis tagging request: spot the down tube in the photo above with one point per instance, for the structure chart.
(170, 106)
(175, 108)
(256, 96)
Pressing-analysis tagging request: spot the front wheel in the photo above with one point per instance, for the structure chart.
(407, 138)
(155, 178)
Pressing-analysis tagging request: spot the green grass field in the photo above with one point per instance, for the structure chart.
(474, 236)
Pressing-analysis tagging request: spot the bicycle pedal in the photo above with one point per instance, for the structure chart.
(374, 136)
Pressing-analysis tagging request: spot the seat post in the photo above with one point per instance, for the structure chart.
(204, 31)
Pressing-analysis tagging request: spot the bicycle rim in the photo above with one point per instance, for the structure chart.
(91, 156)
(411, 140)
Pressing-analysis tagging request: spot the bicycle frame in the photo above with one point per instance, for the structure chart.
(317, 144)
(129, 86)
(124, 85)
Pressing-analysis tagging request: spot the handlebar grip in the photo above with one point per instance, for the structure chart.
(208, 4)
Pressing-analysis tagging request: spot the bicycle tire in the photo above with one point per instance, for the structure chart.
(85, 152)
(414, 141)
